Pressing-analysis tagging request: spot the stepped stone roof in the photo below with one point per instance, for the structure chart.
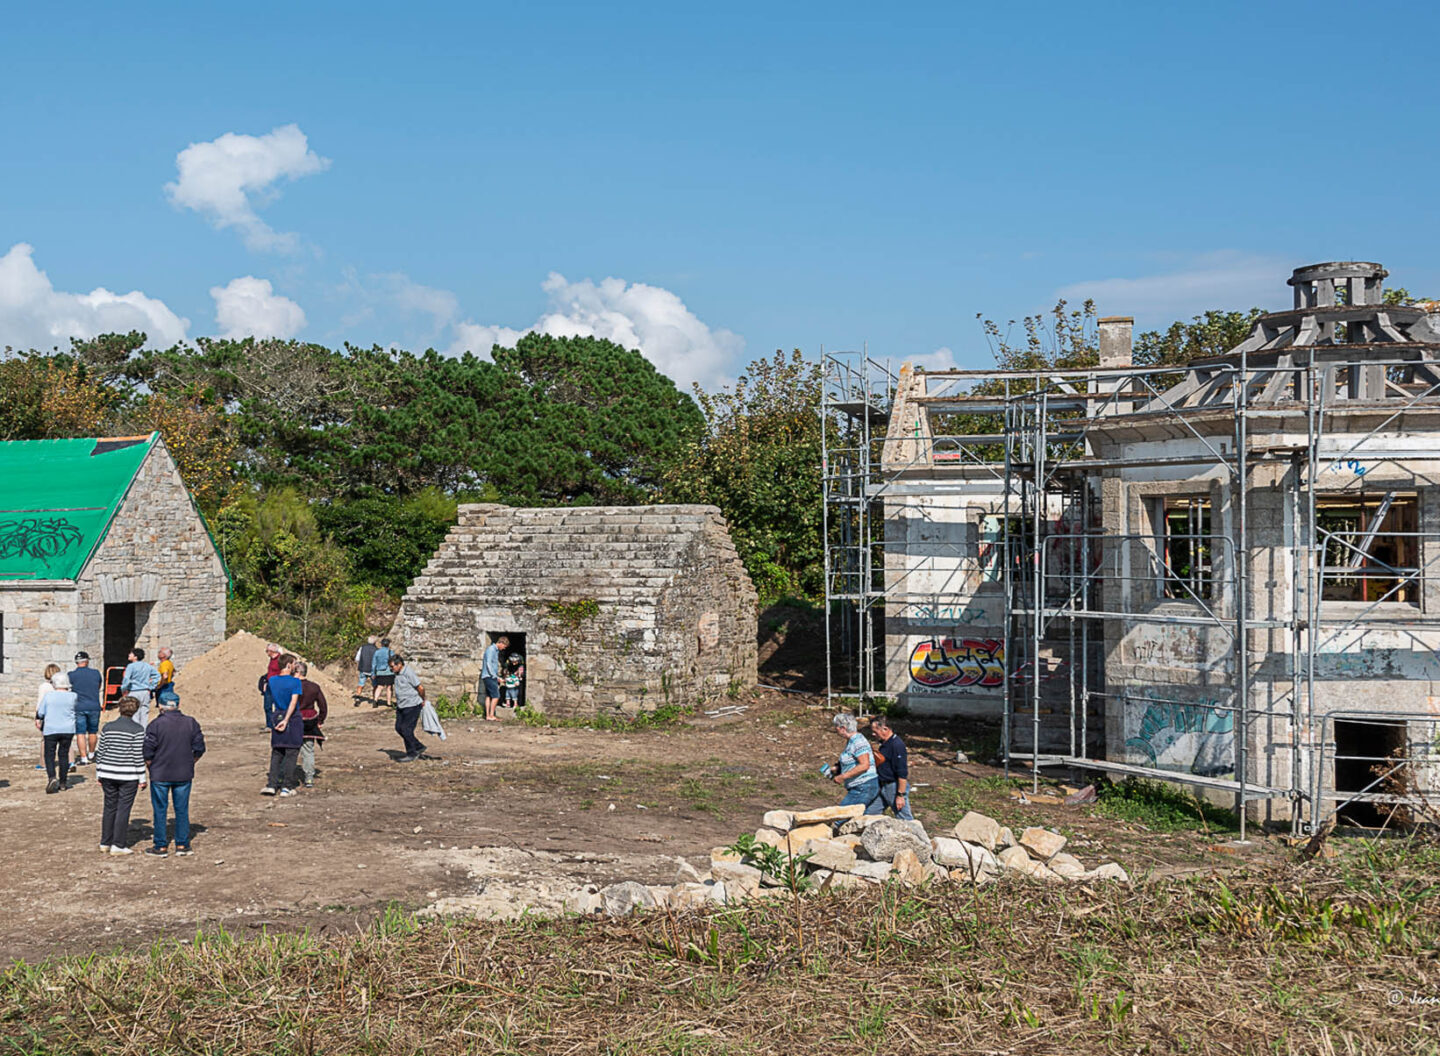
(614, 553)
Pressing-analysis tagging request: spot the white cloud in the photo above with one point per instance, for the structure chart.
(33, 314)
(941, 359)
(1225, 280)
(250, 307)
(648, 318)
(227, 178)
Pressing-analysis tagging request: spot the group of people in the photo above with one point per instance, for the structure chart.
(295, 710)
(878, 777)
(133, 752)
(497, 674)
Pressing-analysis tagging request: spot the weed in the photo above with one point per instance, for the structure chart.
(464, 708)
(1160, 807)
(572, 614)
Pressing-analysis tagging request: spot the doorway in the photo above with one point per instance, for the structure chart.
(1362, 745)
(119, 637)
(515, 648)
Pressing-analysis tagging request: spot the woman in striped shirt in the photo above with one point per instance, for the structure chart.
(120, 769)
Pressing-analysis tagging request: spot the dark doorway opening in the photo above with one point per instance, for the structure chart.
(119, 638)
(516, 648)
(1362, 745)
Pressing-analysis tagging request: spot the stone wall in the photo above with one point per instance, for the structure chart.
(157, 552)
(40, 627)
(623, 608)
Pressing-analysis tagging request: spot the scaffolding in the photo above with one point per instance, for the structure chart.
(855, 398)
(1269, 442)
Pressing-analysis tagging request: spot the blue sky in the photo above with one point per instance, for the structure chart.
(751, 176)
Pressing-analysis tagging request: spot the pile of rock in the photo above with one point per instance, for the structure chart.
(840, 847)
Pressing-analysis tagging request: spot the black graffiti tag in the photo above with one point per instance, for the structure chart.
(38, 537)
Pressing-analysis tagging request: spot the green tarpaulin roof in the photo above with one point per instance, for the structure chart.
(57, 498)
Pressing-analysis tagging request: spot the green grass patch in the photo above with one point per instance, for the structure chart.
(1161, 807)
(664, 717)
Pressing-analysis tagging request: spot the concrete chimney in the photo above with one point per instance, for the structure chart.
(1116, 340)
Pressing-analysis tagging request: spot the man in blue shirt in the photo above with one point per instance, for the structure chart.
(85, 683)
(139, 681)
(893, 772)
(490, 676)
(288, 734)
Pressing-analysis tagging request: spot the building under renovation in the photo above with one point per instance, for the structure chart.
(1224, 574)
(101, 549)
(616, 610)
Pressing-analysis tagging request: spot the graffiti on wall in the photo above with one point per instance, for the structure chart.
(1196, 738)
(946, 615)
(955, 663)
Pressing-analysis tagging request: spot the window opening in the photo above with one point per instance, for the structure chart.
(1185, 549)
(1370, 548)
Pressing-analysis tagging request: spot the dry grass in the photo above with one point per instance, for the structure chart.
(1290, 961)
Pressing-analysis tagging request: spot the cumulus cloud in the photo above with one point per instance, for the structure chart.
(250, 307)
(941, 359)
(1225, 280)
(227, 178)
(33, 314)
(649, 318)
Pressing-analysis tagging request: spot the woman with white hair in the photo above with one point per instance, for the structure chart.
(855, 769)
(55, 719)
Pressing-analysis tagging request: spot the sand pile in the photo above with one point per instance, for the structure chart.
(221, 684)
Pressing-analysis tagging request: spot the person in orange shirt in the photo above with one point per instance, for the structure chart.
(166, 667)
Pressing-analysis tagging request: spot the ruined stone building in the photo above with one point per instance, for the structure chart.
(101, 549)
(616, 610)
(1227, 574)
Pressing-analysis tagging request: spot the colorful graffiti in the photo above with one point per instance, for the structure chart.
(1196, 738)
(958, 662)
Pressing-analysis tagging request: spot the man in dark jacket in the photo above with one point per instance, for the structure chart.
(172, 744)
(892, 771)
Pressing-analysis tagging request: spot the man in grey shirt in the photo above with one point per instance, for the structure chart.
(409, 699)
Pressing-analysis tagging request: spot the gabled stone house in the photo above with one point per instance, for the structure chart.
(101, 549)
(615, 609)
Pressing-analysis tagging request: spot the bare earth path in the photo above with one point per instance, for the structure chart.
(507, 814)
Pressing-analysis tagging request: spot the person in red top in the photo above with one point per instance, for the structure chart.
(267, 701)
(313, 710)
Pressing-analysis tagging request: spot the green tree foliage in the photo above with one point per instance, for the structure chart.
(1211, 334)
(292, 582)
(759, 461)
(1063, 337)
(388, 538)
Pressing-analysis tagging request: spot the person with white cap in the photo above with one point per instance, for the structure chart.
(55, 719)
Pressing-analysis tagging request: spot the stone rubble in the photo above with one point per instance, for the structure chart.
(850, 850)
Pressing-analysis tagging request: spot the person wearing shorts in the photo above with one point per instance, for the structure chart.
(490, 676)
(87, 685)
(384, 678)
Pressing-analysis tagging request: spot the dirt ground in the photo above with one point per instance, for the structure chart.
(505, 816)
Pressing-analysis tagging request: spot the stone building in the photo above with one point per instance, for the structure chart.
(1228, 574)
(615, 609)
(101, 549)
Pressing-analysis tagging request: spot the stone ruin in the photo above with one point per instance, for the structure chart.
(617, 610)
(845, 848)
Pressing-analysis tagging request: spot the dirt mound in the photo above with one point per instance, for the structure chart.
(221, 684)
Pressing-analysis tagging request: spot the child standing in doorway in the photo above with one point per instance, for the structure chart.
(511, 679)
